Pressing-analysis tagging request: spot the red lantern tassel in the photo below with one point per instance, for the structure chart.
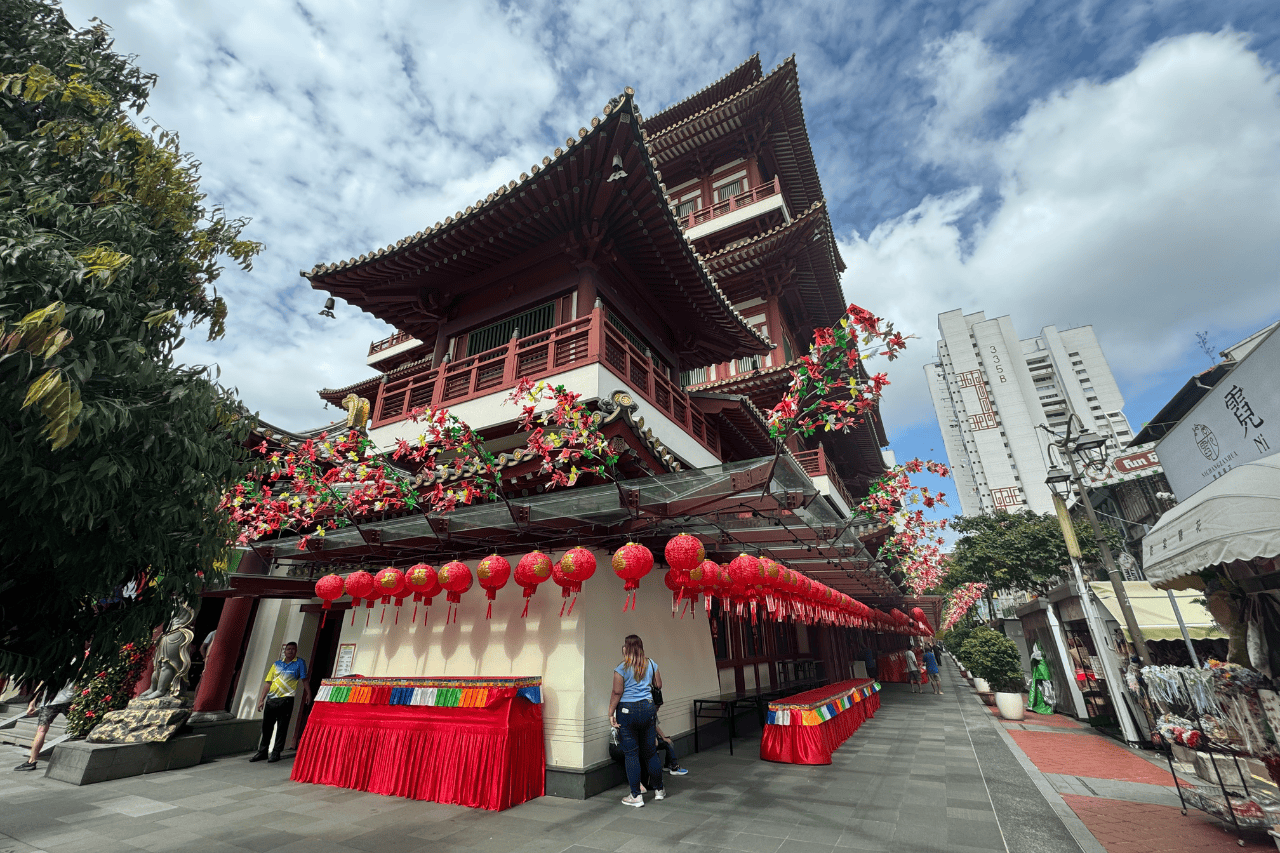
(383, 618)
(355, 604)
(572, 602)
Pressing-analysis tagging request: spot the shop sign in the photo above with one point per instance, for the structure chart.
(1237, 422)
(1141, 462)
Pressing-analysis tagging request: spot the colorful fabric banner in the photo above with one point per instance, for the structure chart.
(815, 707)
(428, 692)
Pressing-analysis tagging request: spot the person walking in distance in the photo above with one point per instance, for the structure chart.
(60, 703)
(285, 677)
(931, 667)
(633, 713)
(913, 669)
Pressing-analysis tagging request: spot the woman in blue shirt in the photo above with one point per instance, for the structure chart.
(632, 712)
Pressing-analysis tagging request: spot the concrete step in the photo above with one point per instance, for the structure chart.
(24, 731)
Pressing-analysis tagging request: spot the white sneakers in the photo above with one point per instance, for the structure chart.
(638, 802)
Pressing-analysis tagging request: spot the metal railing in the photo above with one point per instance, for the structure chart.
(816, 464)
(732, 203)
(388, 343)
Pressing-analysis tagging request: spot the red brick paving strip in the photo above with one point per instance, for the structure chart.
(1124, 827)
(1091, 757)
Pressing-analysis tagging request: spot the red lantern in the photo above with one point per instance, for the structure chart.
(330, 589)
(493, 573)
(684, 553)
(745, 571)
(388, 583)
(705, 578)
(359, 585)
(455, 579)
(424, 583)
(534, 568)
(678, 582)
(771, 582)
(574, 568)
(632, 562)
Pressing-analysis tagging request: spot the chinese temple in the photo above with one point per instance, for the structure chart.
(670, 269)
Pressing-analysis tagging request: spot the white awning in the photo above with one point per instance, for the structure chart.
(1236, 517)
(1154, 613)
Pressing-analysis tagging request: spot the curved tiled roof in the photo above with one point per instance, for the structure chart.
(579, 197)
(775, 98)
(808, 237)
(737, 79)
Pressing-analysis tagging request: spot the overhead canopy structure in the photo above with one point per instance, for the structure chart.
(1236, 517)
(1155, 614)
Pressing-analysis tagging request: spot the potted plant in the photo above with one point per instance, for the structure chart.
(995, 661)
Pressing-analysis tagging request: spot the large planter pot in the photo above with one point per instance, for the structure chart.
(987, 697)
(981, 685)
(1012, 706)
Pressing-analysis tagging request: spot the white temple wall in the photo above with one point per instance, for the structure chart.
(575, 655)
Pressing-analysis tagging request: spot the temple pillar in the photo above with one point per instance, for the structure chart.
(224, 653)
(220, 665)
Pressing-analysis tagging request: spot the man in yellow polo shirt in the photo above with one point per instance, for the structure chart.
(284, 679)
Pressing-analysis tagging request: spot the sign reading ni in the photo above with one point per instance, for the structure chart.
(1237, 422)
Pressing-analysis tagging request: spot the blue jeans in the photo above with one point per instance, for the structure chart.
(637, 732)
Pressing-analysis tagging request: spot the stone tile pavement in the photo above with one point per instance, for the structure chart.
(929, 773)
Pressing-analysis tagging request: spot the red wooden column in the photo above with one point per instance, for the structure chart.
(220, 666)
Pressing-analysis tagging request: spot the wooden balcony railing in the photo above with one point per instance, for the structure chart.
(732, 203)
(816, 464)
(587, 340)
(388, 343)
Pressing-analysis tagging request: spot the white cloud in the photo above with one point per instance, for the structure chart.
(1146, 205)
(963, 76)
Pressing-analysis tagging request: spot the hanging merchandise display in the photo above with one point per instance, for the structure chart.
(492, 573)
(456, 579)
(424, 582)
(1040, 699)
(574, 569)
(533, 569)
(359, 585)
(329, 589)
(631, 562)
(387, 584)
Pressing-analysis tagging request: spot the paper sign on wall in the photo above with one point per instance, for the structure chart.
(346, 659)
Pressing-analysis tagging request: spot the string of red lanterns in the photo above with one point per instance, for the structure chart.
(758, 587)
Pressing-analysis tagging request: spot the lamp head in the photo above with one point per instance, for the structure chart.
(1059, 481)
(1091, 446)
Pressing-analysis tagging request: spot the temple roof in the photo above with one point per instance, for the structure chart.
(808, 241)
(771, 105)
(736, 80)
(599, 198)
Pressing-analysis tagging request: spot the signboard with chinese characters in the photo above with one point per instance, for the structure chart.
(346, 657)
(1237, 422)
(1140, 461)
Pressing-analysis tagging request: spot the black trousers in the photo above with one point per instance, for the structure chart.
(276, 713)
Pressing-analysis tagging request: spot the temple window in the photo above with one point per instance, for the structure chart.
(729, 190)
(497, 334)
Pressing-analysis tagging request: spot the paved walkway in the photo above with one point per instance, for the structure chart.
(929, 773)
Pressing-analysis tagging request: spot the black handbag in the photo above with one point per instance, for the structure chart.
(657, 697)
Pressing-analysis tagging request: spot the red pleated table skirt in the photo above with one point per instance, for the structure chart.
(491, 757)
(814, 744)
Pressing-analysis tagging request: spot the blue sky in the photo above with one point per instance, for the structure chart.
(1113, 164)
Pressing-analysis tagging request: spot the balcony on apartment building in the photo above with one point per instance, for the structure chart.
(822, 472)
(733, 208)
(594, 339)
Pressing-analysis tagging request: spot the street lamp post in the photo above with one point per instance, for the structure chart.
(1090, 447)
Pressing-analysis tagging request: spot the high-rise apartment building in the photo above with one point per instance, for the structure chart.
(991, 390)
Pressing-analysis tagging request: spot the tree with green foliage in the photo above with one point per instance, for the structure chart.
(115, 454)
(994, 658)
(1018, 551)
